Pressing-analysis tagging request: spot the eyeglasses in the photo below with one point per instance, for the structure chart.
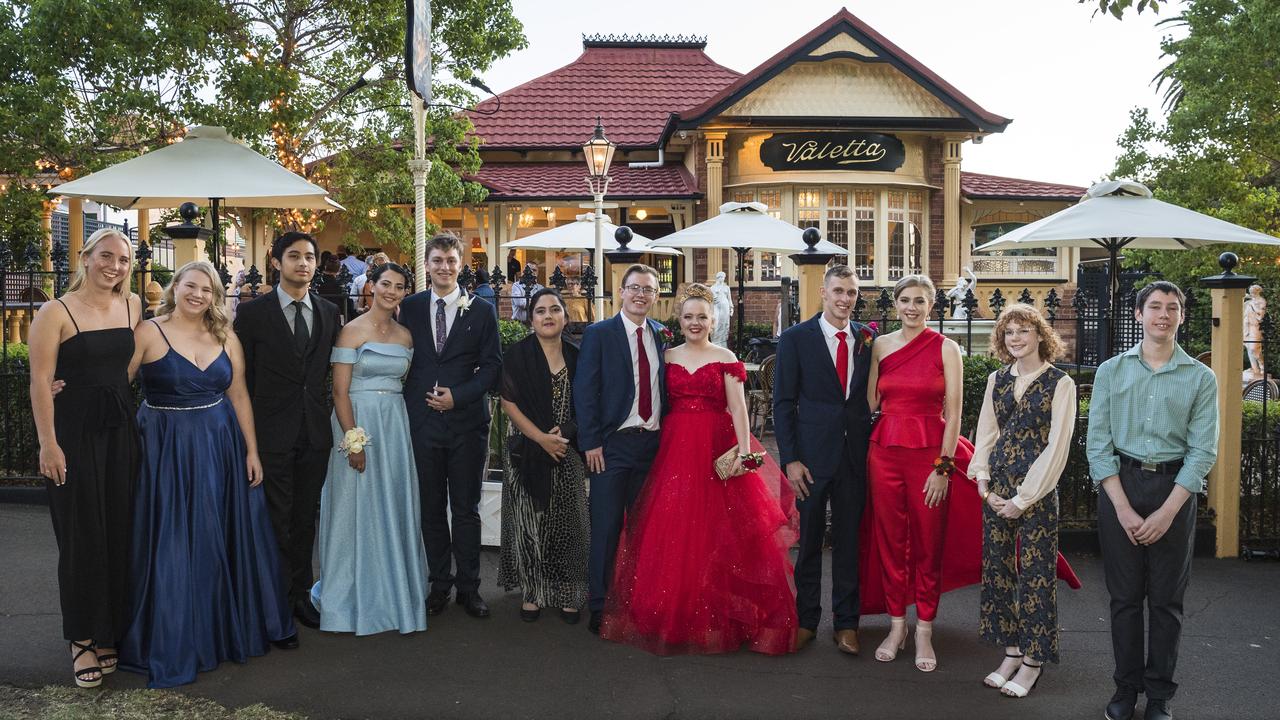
(642, 289)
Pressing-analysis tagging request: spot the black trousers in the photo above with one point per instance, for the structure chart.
(627, 458)
(292, 483)
(1156, 575)
(847, 495)
(449, 484)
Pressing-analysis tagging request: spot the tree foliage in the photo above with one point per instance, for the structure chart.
(317, 85)
(1217, 150)
(1117, 8)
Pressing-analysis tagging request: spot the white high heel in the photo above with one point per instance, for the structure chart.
(995, 680)
(887, 652)
(1014, 690)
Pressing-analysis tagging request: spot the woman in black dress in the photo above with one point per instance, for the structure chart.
(89, 445)
(545, 529)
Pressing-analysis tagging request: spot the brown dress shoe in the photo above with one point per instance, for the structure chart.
(803, 636)
(847, 641)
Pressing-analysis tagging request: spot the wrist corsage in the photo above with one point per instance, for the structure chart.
(354, 441)
(751, 460)
(944, 465)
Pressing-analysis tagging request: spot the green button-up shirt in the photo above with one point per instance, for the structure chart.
(1154, 416)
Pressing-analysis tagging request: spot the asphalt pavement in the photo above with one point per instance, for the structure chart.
(501, 667)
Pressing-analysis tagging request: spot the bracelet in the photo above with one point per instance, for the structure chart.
(984, 494)
(944, 465)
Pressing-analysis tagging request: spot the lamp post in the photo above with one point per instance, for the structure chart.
(598, 152)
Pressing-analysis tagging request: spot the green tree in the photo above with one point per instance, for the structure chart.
(1217, 150)
(1118, 8)
(21, 234)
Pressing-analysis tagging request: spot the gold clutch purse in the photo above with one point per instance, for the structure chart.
(724, 463)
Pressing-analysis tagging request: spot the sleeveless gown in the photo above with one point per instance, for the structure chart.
(205, 579)
(910, 554)
(93, 510)
(372, 562)
(703, 565)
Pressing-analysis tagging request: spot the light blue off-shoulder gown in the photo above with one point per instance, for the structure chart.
(372, 562)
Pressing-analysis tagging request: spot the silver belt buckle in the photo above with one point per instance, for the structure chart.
(1150, 466)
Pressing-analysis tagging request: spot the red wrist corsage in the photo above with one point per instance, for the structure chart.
(944, 465)
(752, 461)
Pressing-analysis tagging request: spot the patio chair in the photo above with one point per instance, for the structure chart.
(760, 398)
(1206, 357)
(1262, 389)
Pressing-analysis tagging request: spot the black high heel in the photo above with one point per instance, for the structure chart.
(83, 676)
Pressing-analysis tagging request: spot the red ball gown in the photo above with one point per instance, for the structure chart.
(703, 565)
(911, 554)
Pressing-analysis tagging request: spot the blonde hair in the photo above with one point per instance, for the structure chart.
(78, 279)
(920, 281)
(694, 291)
(215, 316)
(1051, 345)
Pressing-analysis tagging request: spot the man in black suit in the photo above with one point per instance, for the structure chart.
(287, 336)
(457, 359)
(823, 426)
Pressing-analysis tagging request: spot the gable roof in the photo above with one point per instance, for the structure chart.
(994, 187)
(973, 116)
(633, 84)
(565, 181)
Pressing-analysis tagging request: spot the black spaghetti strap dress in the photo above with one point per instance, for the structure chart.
(93, 420)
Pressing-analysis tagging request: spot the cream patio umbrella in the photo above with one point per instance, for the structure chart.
(581, 235)
(741, 227)
(207, 167)
(1123, 214)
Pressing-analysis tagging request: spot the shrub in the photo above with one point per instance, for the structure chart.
(976, 370)
(511, 332)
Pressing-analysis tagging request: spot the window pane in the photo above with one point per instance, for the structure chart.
(1028, 261)
(666, 267)
(897, 234)
(864, 234)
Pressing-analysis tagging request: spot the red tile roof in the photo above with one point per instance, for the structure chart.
(633, 88)
(567, 181)
(845, 21)
(977, 185)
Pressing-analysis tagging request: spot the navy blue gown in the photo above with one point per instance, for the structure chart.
(204, 577)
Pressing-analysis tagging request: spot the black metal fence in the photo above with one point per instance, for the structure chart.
(1260, 449)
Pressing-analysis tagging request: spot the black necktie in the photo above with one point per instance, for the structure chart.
(300, 335)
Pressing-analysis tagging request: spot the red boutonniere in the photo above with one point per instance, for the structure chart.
(869, 335)
(667, 336)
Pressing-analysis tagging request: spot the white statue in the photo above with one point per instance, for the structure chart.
(958, 292)
(1255, 308)
(723, 310)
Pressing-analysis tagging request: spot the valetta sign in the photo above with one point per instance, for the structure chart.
(832, 151)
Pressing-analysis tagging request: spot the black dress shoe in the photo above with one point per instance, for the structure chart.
(570, 616)
(530, 615)
(473, 604)
(1121, 705)
(594, 623)
(437, 601)
(1157, 709)
(289, 643)
(306, 613)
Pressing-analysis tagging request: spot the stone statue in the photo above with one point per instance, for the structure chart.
(722, 309)
(957, 293)
(1255, 309)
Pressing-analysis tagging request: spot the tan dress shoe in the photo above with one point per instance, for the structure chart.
(847, 641)
(803, 636)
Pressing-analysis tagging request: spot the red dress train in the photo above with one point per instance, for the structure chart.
(703, 564)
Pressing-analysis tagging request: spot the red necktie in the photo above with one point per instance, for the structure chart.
(842, 362)
(646, 392)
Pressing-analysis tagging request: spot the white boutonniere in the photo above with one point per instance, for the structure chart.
(464, 303)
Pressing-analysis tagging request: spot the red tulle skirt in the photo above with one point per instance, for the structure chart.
(703, 565)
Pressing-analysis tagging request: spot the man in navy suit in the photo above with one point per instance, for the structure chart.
(617, 394)
(457, 358)
(823, 426)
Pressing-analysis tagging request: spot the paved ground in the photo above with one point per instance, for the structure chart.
(464, 668)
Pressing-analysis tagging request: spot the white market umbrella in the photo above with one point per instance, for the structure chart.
(580, 235)
(1122, 213)
(741, 227)
(207, 167)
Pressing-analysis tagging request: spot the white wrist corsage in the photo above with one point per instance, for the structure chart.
(354, 441)
(464, 303)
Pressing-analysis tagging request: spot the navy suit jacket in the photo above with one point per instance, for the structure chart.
(604, 387)
(469, 366)
(812, 420)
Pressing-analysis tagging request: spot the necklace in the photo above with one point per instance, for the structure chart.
(99, 308)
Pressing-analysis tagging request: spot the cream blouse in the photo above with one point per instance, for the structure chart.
(1042, 476)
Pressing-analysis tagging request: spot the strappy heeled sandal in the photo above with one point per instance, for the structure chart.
(84, 676)
(995, 680)
(110, 656)
(1012, 689)
(925, 664)
(887, 652)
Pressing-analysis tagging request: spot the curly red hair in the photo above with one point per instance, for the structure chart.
(1051, 345)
